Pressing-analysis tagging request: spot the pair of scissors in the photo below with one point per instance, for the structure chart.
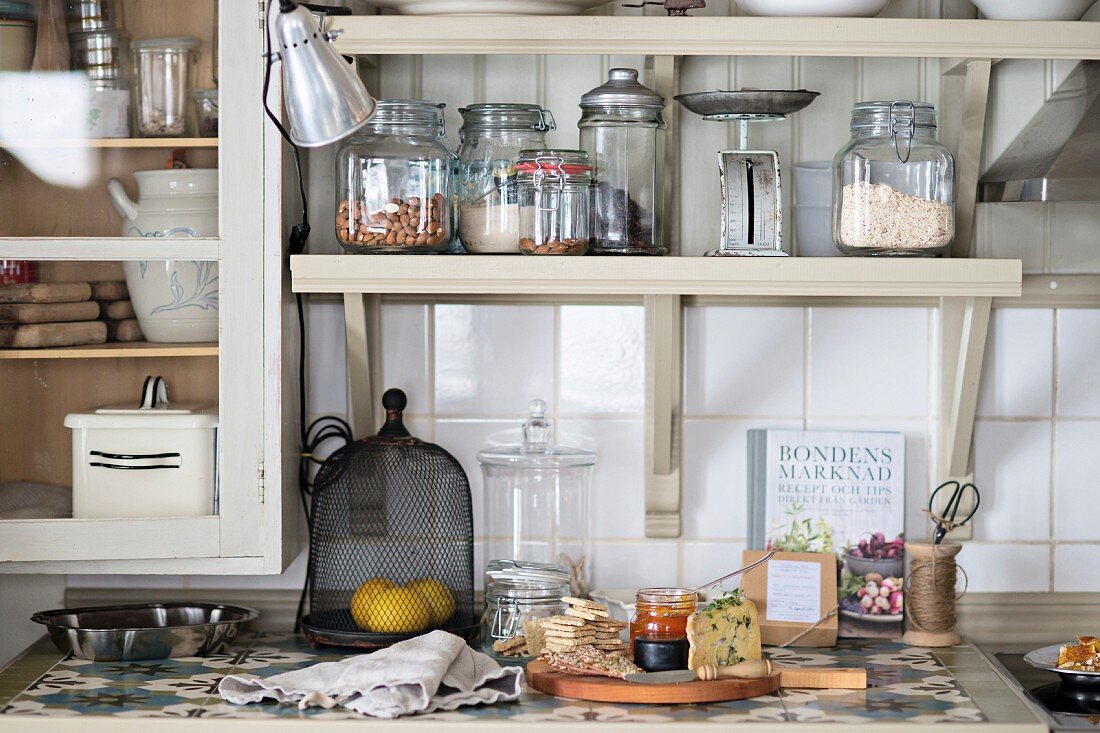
(948, 519)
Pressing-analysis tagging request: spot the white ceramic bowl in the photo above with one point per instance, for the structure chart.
(1033, 9)
(816, 8)
(813, 183)
(490, 7)
(813, 231)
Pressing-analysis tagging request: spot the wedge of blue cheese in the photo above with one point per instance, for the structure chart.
(725, 632)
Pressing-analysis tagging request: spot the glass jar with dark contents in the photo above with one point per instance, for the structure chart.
(662, 612)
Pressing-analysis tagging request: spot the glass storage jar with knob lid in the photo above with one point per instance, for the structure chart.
(517, 596)
(555, 202)
(537, 499)
(622, 129)
(491, 139)
(894, 183)
(393, 182)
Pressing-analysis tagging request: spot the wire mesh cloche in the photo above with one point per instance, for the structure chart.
(391, 541)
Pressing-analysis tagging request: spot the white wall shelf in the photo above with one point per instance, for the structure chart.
(772, 276)
(964, 289)
(718, 36)
(114, 143)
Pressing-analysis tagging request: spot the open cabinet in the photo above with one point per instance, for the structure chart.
(56, 212)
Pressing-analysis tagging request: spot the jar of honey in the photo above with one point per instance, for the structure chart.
(661, 612)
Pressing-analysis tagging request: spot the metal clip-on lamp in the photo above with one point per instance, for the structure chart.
(324, 98)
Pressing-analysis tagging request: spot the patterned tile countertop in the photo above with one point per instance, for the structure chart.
(945, 689)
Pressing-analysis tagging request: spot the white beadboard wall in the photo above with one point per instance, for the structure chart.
(470, 370)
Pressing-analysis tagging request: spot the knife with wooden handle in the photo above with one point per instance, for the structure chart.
(817, 678)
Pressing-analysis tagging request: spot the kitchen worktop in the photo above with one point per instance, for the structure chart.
(918, 688)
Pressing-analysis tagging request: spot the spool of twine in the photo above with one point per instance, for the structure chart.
(930, 594)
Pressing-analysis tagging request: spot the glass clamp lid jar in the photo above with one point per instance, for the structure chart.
(894, 183)
(491, 139)
(555, 202)
(622, 129)
(393, 182)
(518, 596)
(162, 73)
(537, 499)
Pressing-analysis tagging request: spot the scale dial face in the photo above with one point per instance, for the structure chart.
(752, 217)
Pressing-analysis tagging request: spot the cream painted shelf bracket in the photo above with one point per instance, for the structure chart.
(968, 158)
(964, 325)
(663, 365)
(362, 330)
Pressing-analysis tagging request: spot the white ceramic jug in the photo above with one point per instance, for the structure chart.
(175, 301)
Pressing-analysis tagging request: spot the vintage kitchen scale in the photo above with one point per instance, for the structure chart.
(752, 192)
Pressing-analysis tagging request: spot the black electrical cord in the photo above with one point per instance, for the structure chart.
(313, 436)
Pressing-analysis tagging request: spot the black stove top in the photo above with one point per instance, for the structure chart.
(1067, 707)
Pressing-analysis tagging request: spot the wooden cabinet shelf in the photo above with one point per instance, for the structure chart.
(137, 143)
(140, 350)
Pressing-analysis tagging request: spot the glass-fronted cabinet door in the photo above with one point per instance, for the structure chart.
(132, 249)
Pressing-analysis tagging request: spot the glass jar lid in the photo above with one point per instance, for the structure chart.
(537, 450)
(899, 119)
(526, 581)
(508, 116)
(622, 89)
(175, 43)
(205, 94)
(412, 112)
(886, 113)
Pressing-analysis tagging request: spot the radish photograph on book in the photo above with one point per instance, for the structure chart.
(841, 493)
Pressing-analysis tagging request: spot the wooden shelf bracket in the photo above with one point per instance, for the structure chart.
(964, 325)
(363, 334)
(663, 366)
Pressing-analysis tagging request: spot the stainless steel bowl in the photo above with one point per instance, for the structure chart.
(757, 102)
(144, 631)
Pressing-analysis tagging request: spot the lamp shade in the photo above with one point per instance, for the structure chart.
(324, 99)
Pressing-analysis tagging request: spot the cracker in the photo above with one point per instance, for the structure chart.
(533, 631)
(563, 620)
(584, 603)
(505, 645)
(583, 614)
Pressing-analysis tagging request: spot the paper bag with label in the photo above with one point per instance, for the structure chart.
(795, 593)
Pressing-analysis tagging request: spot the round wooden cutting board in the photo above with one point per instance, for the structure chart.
(606, 689)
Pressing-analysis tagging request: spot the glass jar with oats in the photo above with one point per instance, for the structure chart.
(894, 183)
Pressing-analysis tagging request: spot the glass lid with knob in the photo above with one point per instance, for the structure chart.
(537, 450)
(537, 506)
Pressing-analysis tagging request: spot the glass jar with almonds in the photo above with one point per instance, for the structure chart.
(517, 597)
(393, 182)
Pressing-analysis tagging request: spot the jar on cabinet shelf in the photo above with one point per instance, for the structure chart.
(393, 182)
(491, 139)
(894, 183)
(622, 129)
(555, 202)
(162, 74)
(537, 499)
(519, 594)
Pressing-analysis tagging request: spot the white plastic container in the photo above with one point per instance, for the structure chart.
(155, 460)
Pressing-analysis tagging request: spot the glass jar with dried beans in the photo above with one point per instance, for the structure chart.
(555, 202)
(393, 182)
(894, 183)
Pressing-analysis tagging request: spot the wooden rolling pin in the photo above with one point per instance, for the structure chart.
(816, 678)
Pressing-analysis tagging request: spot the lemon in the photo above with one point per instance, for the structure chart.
(398, 611)
(439, 599)
(361, 600)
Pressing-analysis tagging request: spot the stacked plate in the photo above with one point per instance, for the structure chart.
(490, 7)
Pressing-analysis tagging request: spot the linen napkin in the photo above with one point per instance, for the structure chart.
(437, 671)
